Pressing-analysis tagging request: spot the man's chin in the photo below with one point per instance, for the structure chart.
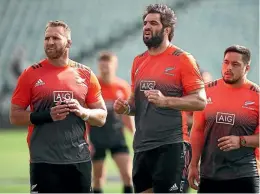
(104, 74)
(50, 56)
(151, 44)
(229, 81)
(147, 42)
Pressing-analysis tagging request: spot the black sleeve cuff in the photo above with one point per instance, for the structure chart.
(39, 118)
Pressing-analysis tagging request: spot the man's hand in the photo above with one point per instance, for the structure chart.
(193, 176)
(59, 112)
(75, 107)
(121, 106)
(229, 143)
(156, 97)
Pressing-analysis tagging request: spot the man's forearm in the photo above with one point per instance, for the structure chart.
(96, 117)
(252, 140)
(131, 108)
(197, 143)
(129, 123)
(192, 102)
(20, 117)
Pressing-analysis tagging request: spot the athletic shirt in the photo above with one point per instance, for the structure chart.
(175, 73)
(41, 86)
(229, 111)
(111, 134)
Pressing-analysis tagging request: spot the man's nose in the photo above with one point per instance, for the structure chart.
(229, 67)
(147, 26)
(51, 41)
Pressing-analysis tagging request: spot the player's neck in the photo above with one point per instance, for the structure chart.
(239, 84)
(156, 51)
(107, 79)
(60, 62)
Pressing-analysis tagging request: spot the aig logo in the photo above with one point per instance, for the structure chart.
(147, 85)
(225, 118)
(61, 96)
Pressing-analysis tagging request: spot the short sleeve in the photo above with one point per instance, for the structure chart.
(190, 74)
(94, 90)
(22, 93)
(133, 72)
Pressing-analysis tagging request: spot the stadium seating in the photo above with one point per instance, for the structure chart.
(204, 28)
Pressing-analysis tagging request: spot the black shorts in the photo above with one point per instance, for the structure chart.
(165, 169)
(61, 178)
(100, 153)
(241, 185)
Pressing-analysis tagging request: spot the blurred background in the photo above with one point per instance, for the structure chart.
(204, 28)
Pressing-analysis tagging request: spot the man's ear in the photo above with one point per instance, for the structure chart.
(247, 68)
(69, 43)
(167, 30)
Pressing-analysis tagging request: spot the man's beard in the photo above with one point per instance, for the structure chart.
(56, 54)
(233, 81)
(155, 41)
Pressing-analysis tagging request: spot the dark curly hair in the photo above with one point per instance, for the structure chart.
(245, 52)
(167, 15)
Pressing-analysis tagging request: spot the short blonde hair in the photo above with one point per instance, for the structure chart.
(58, 23)
(107, 56)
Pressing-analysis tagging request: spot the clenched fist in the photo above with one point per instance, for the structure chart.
(59, 112)
(121, 106)
(229, 143)
(156, 97)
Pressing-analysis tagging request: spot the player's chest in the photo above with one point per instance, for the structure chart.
(158, 70)
(232, 108)
(60, 86)
(111, 93)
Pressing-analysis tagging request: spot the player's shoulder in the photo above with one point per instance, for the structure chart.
(79, 66)
(38, 66)
(141, 56)
(182, 55)
(178, 52)
(139, 59)
(253, 87)
(213, 84)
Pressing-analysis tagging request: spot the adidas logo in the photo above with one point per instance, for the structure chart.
(33, 187)
(39, 83)
(173, 188)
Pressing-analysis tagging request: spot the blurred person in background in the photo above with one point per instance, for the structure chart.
(17, 65)
(8, 79)
(1, 82)
(111, 135)
(18, 62)
(207, 77)
(63, 95)
(165, 82)
(225, 135)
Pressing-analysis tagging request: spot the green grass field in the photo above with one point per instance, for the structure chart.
(14, 164)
